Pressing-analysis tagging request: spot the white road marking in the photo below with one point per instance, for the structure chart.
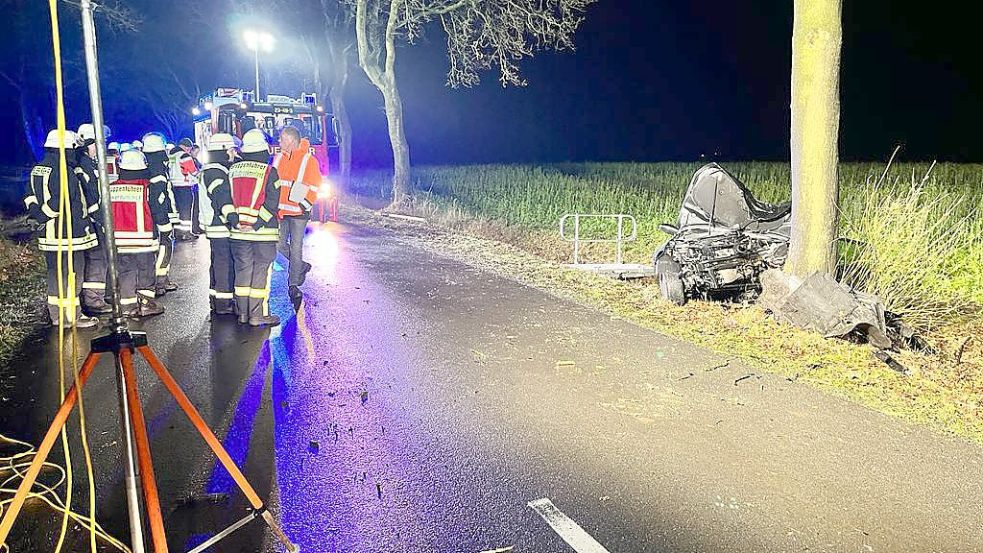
(499, 550)
(571, 532)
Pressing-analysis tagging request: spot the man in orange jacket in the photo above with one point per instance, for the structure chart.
(299, 180)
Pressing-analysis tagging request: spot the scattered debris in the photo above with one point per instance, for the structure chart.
(364, 396)
(962, 350)
(314, 447)
(743, 378)
(720, 366)
(822, 304)
(406, 217)
(378, 490)
(690, 375)
(891, 362)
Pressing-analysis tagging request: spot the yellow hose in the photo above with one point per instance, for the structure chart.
(64, 299)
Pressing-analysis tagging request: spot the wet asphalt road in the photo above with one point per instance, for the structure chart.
(413, 403)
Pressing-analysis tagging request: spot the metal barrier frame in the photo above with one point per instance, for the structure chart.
(619, 240)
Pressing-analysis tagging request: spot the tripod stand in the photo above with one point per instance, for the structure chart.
(122, 344)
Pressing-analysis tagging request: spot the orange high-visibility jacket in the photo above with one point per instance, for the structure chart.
(297, 169)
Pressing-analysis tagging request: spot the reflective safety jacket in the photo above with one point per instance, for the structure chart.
(43, 199)
(254, 201)
(159, 184)
(137, 223)
(89, 177)
(299, 180)
(112, 171)
(214, 200)
(182, 167)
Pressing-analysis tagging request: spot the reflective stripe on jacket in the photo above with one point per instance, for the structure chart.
(214, 200)
(254, 199)
(136, 227)
(299, 169)
(43, 201)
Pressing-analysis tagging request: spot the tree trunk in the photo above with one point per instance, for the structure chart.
(340, 111)
(816, 40)
(397, 137)
(339, 84)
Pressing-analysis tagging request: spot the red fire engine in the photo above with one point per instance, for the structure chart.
(235, 111)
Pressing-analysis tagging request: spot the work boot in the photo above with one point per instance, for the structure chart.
(303, 273)
(97, 307)
(295, 293)
(264, 320)
(225, 310)
(164, 287)
(82, 322)
(149, 308)
(132, 312)
(243, 318)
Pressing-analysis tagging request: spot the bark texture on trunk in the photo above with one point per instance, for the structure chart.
(377, 57)
(339, 84)
(816, 41)
(397, 137)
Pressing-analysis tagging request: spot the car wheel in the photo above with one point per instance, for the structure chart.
(671, 286)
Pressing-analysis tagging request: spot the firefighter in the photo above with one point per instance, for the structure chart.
(94, 284)
(254, 227)
(112, 159)
(160, 191)
(300, 177)
(42, 201)
(184, 178)
(139, 220)
(215, 199)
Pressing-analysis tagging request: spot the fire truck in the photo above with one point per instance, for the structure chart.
(235, 111)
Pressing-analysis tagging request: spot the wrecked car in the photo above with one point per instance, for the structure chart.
(724, 239)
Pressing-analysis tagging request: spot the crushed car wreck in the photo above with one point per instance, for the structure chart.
(724, 240)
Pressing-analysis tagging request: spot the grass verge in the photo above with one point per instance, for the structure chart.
(21, 295)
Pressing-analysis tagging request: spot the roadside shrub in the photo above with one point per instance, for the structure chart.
(915, 252)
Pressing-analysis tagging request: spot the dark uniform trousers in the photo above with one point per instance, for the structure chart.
(291, 246)
(253, 264)
(71, 293)
(96, 268)
(185, 197)
(221, 274)
(136, 277)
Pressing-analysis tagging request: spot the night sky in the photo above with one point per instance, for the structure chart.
(664, 80)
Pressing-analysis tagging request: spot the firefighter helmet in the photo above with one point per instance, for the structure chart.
(87, 131)
(132, 160)
(170, 146)
(254, 141)
(125, 147)
(186, 143)
(137, 145)
(220, 142)
(113, 146)
(71, 139)
(154, 142)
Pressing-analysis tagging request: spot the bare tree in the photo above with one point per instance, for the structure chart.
(816, 40)
(481, 34)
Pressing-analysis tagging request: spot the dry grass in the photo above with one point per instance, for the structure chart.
(21, 294)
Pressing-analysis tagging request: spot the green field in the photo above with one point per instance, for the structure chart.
(923, 236)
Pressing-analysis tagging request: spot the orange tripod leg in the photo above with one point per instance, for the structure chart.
(45, 448)
(223, 456)
(147, 477)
